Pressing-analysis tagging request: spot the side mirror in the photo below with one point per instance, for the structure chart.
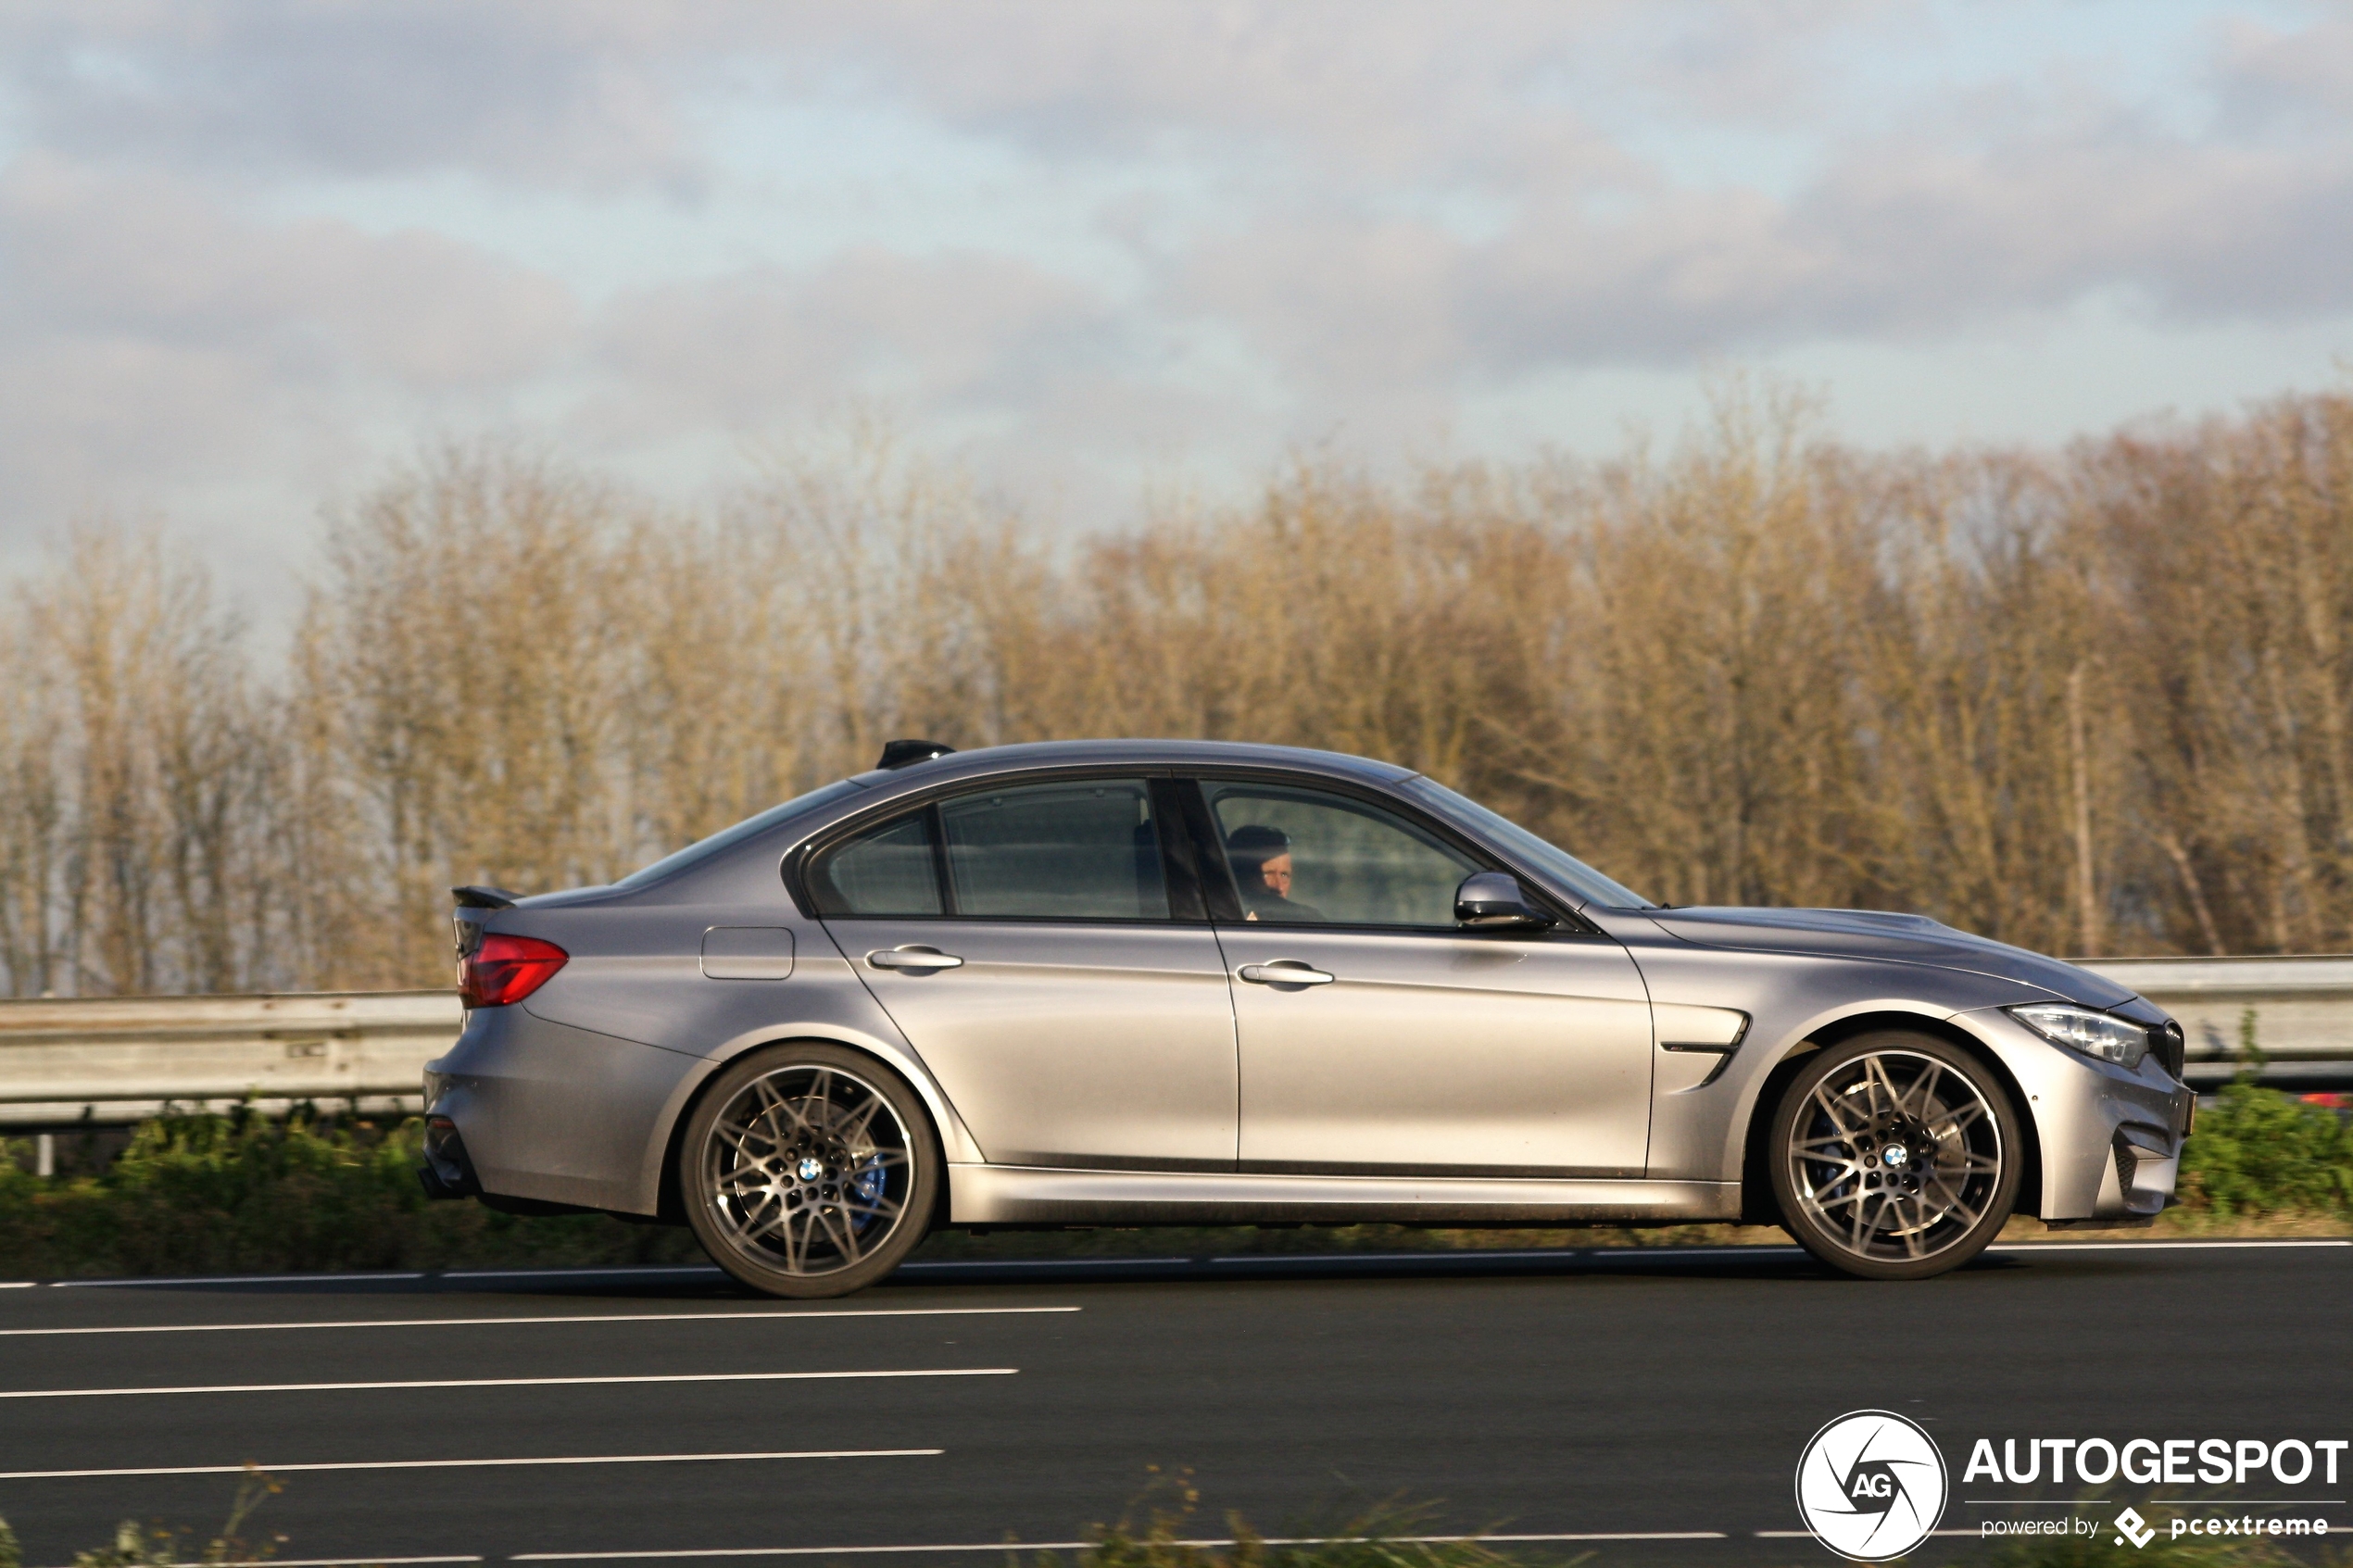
(1494, 901)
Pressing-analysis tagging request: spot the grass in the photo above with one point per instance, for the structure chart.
(1390, 1534)
(1170, 1534)
(137, 1546)
(238, 1194)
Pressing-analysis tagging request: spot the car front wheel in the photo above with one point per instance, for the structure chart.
(809, 1170)
(1894, 1156)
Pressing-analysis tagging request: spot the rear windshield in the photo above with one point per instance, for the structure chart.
(1589, 883)
(727, 838)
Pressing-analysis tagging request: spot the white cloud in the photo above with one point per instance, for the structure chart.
(570, 92)
(747, 350)
(1266, 223)
(150, 337)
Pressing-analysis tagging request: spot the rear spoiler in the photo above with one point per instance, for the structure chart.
(474, 898)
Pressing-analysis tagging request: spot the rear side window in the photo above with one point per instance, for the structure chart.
(1088, 850)
(887, 870)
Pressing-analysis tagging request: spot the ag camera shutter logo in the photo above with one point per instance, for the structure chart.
(1870, 1486)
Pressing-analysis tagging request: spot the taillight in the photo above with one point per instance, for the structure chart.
(507, 969)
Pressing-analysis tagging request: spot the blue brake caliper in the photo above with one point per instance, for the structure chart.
(869, 1188)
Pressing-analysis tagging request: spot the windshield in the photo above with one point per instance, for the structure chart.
(727, 838)
(1589, 883)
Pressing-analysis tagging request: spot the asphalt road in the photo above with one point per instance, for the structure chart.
(1601, 1394)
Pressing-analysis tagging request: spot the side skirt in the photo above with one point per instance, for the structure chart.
(1016, 1195)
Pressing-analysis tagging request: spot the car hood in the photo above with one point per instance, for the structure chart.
(1869, 933)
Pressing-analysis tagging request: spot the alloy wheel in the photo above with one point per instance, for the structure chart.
(1896, 1157)
(807, 1172)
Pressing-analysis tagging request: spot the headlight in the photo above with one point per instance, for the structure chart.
(2093, 1033)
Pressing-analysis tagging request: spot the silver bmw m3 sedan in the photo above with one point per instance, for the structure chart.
(1136, 982)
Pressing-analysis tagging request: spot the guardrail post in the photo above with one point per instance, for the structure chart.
(45, 1155)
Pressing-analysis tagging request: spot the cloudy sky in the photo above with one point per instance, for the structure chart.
(250, 253)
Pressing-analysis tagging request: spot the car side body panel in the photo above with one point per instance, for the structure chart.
(2078, 1107)
(1089, 1046)
(1437, 1055)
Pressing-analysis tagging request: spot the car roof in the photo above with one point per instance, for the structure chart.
(984, 761)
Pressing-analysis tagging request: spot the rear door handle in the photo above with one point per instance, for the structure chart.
(1284, 971)
(913, 958)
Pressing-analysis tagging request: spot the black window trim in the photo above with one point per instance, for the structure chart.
(1176, 873)
(1223, 896)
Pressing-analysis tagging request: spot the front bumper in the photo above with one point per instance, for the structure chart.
(2110, 1139)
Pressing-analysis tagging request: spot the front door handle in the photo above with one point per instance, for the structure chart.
(1284, 971)
(912, 959)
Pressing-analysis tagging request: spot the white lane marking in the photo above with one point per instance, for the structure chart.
(336, 1279)
(1608, 1254)
(498, 1383)
(2156, 1246)
(776, 1315)
(1580, 1254)
(359, 1561)
(582, 1273)
(1808, 1535)
(1589, 1254)
(1036, 1263)
(1082, 1546)
(462, 1464)
(227, 1279)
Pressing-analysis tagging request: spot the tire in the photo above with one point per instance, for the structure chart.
(1894, 1156)
(795, 1157)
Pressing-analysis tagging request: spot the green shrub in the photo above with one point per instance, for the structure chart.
(240, 1193)
(2262, 1152)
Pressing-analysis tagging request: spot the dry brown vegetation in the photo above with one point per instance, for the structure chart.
(2094, 701)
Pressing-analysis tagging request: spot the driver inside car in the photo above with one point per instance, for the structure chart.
(1261, 859)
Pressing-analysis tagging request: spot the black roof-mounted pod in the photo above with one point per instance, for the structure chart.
(906, 753)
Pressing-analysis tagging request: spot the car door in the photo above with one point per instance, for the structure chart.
(1377, 1036)
(1047, 956)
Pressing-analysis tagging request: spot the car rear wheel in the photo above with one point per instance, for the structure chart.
(808, 1171)
(1894, 1156)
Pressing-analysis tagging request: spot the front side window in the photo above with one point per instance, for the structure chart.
(1305, 855)
(1082, 851)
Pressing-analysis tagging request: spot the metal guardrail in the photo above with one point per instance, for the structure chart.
(123, 1058)
(118, 1059)
(2303, 1010)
